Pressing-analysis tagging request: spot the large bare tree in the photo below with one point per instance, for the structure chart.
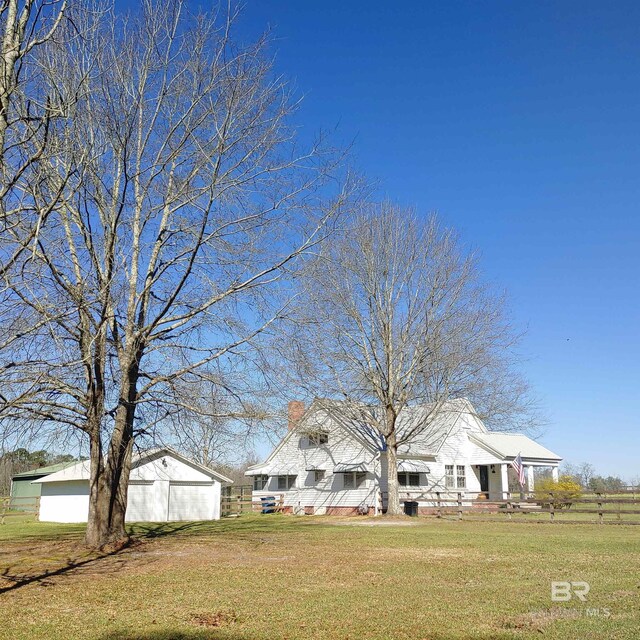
(184, 199)
(392, 314)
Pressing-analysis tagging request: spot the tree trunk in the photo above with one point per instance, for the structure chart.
(110, 478)
(108, 497)
(393, 501)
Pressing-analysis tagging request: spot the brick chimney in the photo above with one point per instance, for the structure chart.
(296, 411)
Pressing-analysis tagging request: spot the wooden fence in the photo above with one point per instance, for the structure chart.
(17, 506)
(621, 507)
(236, 500)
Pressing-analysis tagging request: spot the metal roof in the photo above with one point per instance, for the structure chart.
(509, 445)
(43, 471)
(257, 470)
(80, 470)
(413, 466)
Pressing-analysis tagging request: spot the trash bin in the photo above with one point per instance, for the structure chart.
(411, 508)
(268, 504)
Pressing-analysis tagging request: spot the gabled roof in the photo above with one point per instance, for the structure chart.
(319, 404)
(80, 470)
(432, 425)
(76, 471)
(509, 445)
(426, 443)
(43, 471)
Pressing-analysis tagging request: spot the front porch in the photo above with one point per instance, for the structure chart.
(498, 481)
(490, 486)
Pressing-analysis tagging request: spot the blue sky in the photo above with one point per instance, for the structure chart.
(519, 124)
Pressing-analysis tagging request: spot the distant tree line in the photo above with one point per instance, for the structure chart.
(22, 459)
(585, 475)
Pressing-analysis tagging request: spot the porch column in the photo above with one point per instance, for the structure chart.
(530, 479)
(504, 480)
(554, 473)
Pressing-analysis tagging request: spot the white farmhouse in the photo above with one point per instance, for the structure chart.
(163, 486)
(329, 463)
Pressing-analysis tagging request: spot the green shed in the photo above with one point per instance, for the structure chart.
(21, 487)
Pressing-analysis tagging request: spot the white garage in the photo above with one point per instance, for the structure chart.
(163, 486)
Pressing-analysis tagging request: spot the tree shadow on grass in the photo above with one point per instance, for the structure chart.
(16, 576)
(241, 528)
(228, 634)
(173, 634)
(11, 578)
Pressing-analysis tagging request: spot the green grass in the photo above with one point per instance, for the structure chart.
(267, 577)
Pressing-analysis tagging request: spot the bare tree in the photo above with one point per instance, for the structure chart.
(25, 118)
(184, 200)
(222, 420)
(391, 314)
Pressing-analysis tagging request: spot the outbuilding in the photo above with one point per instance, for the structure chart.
(24, 491)
(163, 486)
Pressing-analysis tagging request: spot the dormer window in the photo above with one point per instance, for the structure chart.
(318, 438)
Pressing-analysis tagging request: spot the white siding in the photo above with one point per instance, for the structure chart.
(166, 467)
(456, 449)
(296, 455)
(191, 501)
(64, 501)
(147, 501)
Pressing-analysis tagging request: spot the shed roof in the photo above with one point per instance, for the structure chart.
(509, 445)
(80, 470)
(43, 471)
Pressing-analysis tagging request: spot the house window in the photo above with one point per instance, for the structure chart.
(353, 480)
(449, 478)
(454, 476)
(318, 475)
(260, 482)
(409, 479)
(318, 438)
(460, 477)
(286, 482)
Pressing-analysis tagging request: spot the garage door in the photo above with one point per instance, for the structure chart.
(140, 501)
(190, 501)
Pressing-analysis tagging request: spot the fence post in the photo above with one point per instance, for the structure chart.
(552, 512)
(459, 505)
(509, 506)
(438, 504)
(600, 514)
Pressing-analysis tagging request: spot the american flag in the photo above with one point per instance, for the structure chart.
(519, 467)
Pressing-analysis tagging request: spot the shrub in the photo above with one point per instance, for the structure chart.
(565, 489)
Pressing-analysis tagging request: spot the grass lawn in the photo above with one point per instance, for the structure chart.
(268, 577)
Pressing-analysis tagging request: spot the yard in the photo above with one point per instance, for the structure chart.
(267, 577)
